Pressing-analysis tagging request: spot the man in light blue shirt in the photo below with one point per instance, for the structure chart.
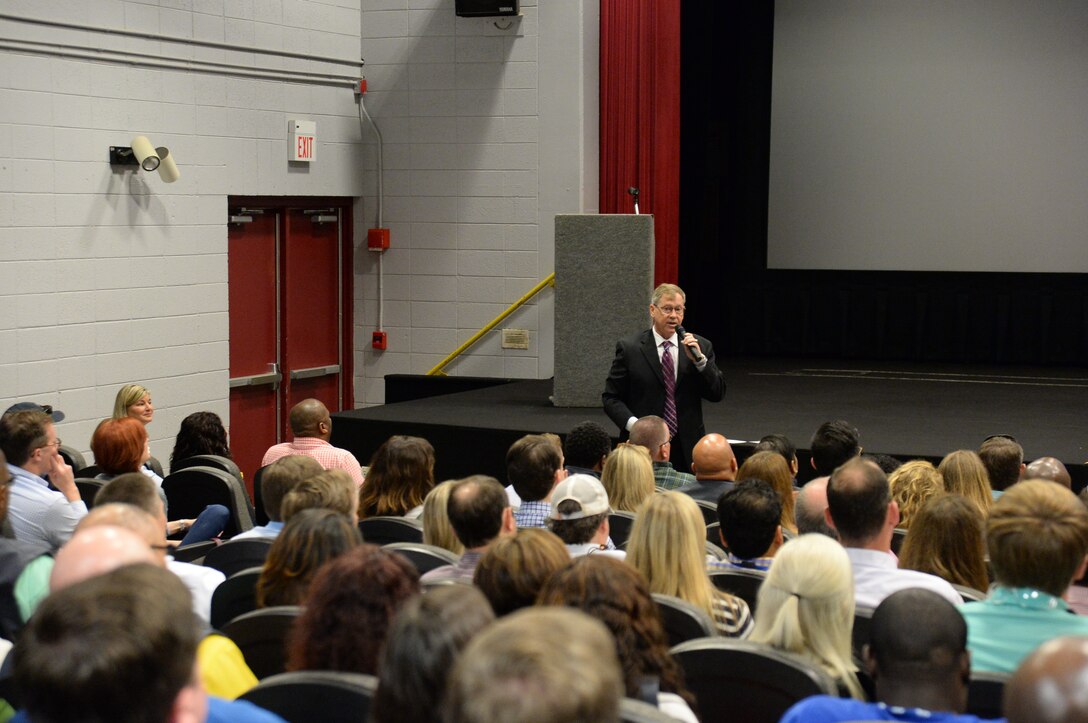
(30, 443)
(276, 481)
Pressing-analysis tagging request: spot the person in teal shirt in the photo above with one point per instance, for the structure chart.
(1037, 535)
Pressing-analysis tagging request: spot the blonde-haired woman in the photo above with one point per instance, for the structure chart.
(668, 546)
(913, 484)
(772, 468)
(437, 530)
(628, 477)
(806, 607)
(964, 474)
(134, 401)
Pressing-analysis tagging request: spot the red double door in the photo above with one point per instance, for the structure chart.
(289, 288)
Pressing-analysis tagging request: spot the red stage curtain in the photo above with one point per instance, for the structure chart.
(640, 118)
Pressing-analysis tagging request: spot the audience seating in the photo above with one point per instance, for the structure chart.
(383, 530)
(423, 557)
(713, 533)
(194, 551)
(432, 584)
(619, 526)
(329, 696)
(863, 616)
(258, 501)
(637, 711)
(261, 635)
(682, 620)
(969, 594)
(156, 466)
(709, 510)
(73, 457)
(742, 583)
(189, 491)
(898, 536)
(89, 471)
(237, 555)
(745, 682)
(714, 550)
(88, 489)
(984, 694)
(209, 460)
(235, 596)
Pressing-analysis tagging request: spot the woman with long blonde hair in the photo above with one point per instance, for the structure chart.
(628, 477)
(437, 529)
(772, 468)
(964, 474)
(668, 546)
(913, 484)
(806, 607)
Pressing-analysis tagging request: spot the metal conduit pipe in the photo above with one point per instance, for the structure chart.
(172, 39)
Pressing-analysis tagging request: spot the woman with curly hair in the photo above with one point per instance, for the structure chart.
(913, 484)
(200, 433)
(401, 474)
(349, 609)
(628, 477)
(772, 468)
(308, 540)
(806, 607)
(668, 546)
(614, 593)
(964, 474)
(948, 540)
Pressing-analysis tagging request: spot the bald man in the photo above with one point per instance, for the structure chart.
(1049, 468)
(96, 550)
(808, 509)
(311, 425)
(1048, 687)
(714, 466)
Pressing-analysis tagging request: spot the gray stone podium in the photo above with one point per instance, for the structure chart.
(604, 274)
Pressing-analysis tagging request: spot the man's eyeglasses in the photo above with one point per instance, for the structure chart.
(56, 443)
(678, 310)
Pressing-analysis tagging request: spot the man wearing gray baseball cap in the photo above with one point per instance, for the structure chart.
(579, 516)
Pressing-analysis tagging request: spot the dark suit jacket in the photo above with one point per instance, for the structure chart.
(636, 388)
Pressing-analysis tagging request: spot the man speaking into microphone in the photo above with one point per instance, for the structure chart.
(664, 371)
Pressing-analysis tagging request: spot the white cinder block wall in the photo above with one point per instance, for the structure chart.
(107, 278)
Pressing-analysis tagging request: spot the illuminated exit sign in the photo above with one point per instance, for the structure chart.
(302, 144)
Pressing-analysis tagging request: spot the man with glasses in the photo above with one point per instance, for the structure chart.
(36, 512)
(650, 375)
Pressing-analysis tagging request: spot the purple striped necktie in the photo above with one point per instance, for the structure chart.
(670, 386)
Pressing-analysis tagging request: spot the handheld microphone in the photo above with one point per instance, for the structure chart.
(681, 332)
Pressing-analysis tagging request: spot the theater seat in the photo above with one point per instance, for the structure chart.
(237, 595)
(423, 557)
(742, 583)
(984, 694)
(261, 635)
(682, 620)
(237, 555)
(619, 527)
(328, 696)
(189, 491)
(383, 530)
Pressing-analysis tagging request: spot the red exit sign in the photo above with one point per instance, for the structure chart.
(302, 144)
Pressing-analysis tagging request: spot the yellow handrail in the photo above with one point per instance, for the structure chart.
(549, 281)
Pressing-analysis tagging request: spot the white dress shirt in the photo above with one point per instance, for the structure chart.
(876, 576)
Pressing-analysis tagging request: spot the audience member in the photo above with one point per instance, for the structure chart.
(964, 474)
(308, 541)
(427, 636)
(579, 516)
(349, 609)
(782, 445)
(400, 475)
(628, 477)
(24, 570)
(120, 446)
(479, 513)
(806, 607)
(616, 594)
(1049, 468)
(652, 433)
(512, 572)
(97, 550)
(833, 443)
(917, 659)
(332, 488)
(1003, 458)
(311, 426)
(912, 485)
(1037, 537)
(534, 466)
(715, 468)
(200, 433)
(947, 540)
(668, 546)
(133, 400)
(277, 480)
(587, 445)
(749, 516)
(772, 469)
(29, 441)
(810, 510)
(543, 664)
(886, 462)
(861, 508)
(120, 646)
(437, 529)
(1048, 687)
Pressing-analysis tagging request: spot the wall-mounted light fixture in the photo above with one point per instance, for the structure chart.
(141, 153)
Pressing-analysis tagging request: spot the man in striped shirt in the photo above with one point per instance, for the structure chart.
(311, 425)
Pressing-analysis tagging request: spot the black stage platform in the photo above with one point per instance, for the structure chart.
(904, 410)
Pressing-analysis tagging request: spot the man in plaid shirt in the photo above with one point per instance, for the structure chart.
(652, 433)
(534, 466)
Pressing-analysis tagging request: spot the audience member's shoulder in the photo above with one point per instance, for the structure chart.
(828, 709)
(238, 711)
